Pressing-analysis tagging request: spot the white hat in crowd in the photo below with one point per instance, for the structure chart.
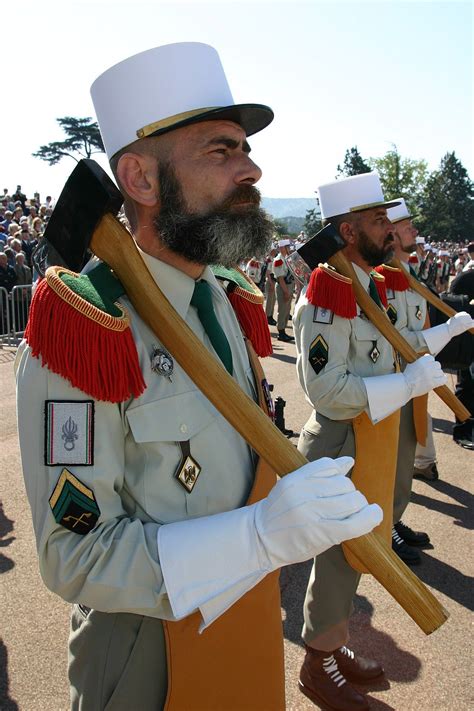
(284, 242)
(354, 194)
(165, 88)
(418, 239)
(399, 212)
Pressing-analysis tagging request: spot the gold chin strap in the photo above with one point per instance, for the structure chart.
(171, 120)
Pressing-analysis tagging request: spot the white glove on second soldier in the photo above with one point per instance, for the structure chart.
(439, 336)
(387, 393)
(208, 563)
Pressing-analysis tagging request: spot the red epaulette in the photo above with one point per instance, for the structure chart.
(381, 287)
(330, 290)
(395, 279)
(413, 259)
(253, 263)
(278, 262)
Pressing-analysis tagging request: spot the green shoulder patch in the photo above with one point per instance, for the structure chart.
(73, 504)
(318, 354)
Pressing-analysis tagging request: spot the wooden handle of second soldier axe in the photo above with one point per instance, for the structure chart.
(113, 244)
(428, 295)
(386, 328)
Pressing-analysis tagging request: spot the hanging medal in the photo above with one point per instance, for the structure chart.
(374, 354)
(189, 469)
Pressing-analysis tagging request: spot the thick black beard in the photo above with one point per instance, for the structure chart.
(372, 254)
(222, 236)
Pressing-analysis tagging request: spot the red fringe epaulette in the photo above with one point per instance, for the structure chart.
(395, 279)
(413, 259)
(88, 346)
(330, 290)
(278, 262)
(381, 286)
(247, 301)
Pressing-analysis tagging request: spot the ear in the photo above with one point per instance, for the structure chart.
(138, 177)
(347, 232)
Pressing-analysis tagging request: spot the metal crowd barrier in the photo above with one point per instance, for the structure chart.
(14, 310)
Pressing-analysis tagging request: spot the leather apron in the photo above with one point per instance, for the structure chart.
(237, 663)
(376, 448)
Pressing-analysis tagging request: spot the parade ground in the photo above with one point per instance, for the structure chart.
(426, 673)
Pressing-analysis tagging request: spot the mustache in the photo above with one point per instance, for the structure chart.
(242, 194)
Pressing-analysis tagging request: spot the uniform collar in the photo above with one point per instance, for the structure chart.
(177, 286)
(364, 278)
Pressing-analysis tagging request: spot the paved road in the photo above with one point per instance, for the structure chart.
(422, 673)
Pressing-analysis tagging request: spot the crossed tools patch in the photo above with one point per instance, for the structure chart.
(73, 504)
(318, 354)
(69, 432)
(392, 313)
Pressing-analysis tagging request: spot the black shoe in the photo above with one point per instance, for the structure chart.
(409, 555)
(271, 321)
(411, 537)
(282, 336)
(429, 473)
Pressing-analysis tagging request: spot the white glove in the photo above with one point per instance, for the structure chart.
(209, 562)
(439, 336)
(387, 393)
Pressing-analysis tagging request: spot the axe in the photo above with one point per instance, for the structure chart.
(326, 246)
(423, 290)
(83, 219)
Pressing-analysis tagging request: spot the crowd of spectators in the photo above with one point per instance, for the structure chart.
(22, 223)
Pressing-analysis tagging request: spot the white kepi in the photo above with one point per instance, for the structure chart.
(354, 194)
(400, 212)
(166, 88)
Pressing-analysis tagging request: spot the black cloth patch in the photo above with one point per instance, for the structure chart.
(73, 504)
(392, 313)
(318, 354)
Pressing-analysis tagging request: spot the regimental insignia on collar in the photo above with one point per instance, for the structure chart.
(161, 362)
(73, 504)
(374, 353)
(392, 313)
(418, 313)
(318, 354)
(69, 432)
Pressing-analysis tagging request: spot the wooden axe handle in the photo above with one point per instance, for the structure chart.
(386, 328)
(428, 295)
(113, 244)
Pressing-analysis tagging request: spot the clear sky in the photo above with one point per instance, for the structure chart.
(337, 74)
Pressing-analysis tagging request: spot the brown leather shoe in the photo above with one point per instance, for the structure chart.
(357, 670)
(323, 683)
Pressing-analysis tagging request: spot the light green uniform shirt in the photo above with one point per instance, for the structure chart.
(116, 566)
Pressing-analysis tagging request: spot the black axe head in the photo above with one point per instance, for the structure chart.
(321, 247)
(317, 250)
(87, 196)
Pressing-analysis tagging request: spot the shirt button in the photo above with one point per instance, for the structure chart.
(184, 428)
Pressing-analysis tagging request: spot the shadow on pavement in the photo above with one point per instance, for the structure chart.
(460, 512)
(445, 426)
(447, 580)
(6, 526)
(6, 703)
(284, 358)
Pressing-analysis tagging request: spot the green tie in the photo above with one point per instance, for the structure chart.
(202, 301)
(413, 273)
(374, 293)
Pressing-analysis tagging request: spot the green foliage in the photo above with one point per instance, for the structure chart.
(312, 222)
(288, 226)
(353, 164)
(83, 138)
(401, 177)
(447, 202)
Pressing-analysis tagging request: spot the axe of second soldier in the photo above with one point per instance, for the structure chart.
(326, 246)
(84, 219)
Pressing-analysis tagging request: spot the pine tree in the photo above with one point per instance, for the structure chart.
(83, 138)
(401, 177)
(353, 164)
(447, 204)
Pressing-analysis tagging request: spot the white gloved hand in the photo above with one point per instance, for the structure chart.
(209, 562)
(423, 375)
(439, 336)
(311, 510)
(387, 393)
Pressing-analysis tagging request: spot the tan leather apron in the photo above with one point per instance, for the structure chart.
(237, 663)
(376, 448)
